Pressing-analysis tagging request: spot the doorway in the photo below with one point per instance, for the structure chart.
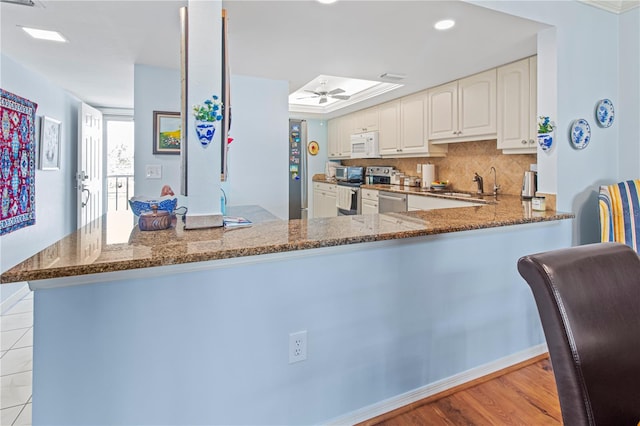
(119, 135)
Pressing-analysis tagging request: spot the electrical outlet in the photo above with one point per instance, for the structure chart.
(297, 346)
(418, 168)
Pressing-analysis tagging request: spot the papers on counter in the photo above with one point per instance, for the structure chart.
(236, 222)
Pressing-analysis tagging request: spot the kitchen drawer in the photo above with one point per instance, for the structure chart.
(370, 194)
(331, 187)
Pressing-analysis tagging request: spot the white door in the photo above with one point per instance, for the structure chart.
(89, 179)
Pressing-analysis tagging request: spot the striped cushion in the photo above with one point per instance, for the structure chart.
(620, 213)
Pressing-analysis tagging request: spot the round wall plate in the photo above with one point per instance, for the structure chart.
(313, 147)
(605, 113)
(580, 133)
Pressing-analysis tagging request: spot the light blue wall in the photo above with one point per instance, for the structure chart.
(155, 89)
(628, 109)
(317, 130)
(588, 69)
(258, 156)
(55, 189)
(211, 347)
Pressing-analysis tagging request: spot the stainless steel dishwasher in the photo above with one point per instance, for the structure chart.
(391, 202)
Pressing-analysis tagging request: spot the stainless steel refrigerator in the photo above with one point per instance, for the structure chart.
(298, 191)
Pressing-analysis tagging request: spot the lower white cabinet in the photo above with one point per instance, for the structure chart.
(369, 201)
(424, 202)
(324, 200)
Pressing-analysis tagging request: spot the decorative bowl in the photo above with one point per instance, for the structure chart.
(154, 220)
(439, 184)
(141, 204)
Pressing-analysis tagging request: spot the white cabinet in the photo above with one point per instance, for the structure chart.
(403, 128)
(463, 110)
(339, 137)
(324, 200)
(425, 202)
(443, 111)
(414, 128)
(389, 127)
(369, 198)
(517, 107)
(365, 120)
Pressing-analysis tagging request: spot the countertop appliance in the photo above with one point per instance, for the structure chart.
(298, 192)
(529, 184)
(379, 175)
(349, 174)
(389, 202)
(365, 145)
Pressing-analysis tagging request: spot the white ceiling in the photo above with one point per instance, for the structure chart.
(286, 40)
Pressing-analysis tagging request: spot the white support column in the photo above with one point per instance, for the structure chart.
(205, 80)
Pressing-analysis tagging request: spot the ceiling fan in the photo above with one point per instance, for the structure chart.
(325, 94)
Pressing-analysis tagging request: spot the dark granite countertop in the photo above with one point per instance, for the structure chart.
(122, 246)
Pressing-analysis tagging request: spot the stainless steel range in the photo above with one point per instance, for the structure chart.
(348, 192)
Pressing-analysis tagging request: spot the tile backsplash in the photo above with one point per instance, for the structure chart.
(460, 164)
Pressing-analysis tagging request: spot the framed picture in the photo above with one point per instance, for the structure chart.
(166, 132)
(50, 130)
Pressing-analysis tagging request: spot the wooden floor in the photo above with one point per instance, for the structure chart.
(521, 395)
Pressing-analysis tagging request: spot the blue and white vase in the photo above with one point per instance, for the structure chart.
(205, 130)
(545, 140)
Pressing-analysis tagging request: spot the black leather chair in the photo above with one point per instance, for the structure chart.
(588, 298)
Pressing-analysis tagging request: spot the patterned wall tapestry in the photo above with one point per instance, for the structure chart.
(17, 162)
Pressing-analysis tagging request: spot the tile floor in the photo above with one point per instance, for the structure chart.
(16, 355)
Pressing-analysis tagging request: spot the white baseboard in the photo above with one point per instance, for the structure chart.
(407, 398)
(13, 299)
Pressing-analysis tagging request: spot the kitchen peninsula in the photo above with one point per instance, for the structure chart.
(192, 327)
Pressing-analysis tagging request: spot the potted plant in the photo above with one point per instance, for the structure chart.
(545, 132)
(206, 116)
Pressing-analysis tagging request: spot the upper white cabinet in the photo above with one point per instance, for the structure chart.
(463, 110)
(403, 128)
(443, 111)
(389, 127)
(339, 132)
(517, 107)
(414, 123)
(365, 120)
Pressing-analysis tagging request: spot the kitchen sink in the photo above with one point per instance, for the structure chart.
(460, 194)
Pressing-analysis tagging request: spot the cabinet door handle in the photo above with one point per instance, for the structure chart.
(455, 133)
(531, 141)
(524, 141)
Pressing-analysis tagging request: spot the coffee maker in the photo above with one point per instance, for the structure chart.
(529, 184)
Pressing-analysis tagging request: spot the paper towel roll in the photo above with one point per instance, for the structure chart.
(428, 175)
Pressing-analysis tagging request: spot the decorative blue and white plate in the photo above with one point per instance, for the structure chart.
(604, 113)
(580, 133)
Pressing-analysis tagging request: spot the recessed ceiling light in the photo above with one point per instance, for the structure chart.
(327, 1)
(445, 24)
(44, 34)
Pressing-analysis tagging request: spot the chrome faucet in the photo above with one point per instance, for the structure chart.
(478, 179)
(496, 187)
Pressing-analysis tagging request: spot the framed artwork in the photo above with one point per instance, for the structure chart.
(166, 132)
(17, 162)
(50, 130)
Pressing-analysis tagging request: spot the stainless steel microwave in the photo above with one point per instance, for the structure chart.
(349, 174)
